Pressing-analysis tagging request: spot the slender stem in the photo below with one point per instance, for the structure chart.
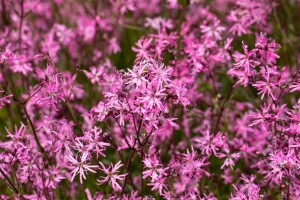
(122, 159)
(132, 115)
(222, 110)
(43, 177)
(21, 24)
(147, 138)
(288, 185)
(4, 17)
(128, 169)
(26, 113)
(71, 111)
(213, 81)
(131, 27)
(142, 169)
(33, 131)
(11, 185)
(139, 131)
(288, 191)
(9, 86)
(124, 135)
(140, 125)
(31, 95)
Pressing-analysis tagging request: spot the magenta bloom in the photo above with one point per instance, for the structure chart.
(111, 175)
(149, 99)
(81, 167)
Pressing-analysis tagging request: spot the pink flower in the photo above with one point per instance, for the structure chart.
(244, 60)
(159, 185)
(111, 175)
(81, 167)
(262, 118)
(153, 98)
(16, 137)
(136, 76)
(155, 169)
(213, 30)
(241, 22)
(54, 176)
(160, 72)
(209, 143)
(193, 166)
(142, 48)
(5, 55)
(95, 74)
(266, 86)
(5, 99)
(251, 193)
(100, 111)
(295, 86)
(230, 160)
(20, 64)
(95, 141)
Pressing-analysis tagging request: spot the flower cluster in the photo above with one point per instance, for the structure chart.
(149, 99)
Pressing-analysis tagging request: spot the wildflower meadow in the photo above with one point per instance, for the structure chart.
(150, 99)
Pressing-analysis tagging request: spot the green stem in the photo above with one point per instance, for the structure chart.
(11, 185)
